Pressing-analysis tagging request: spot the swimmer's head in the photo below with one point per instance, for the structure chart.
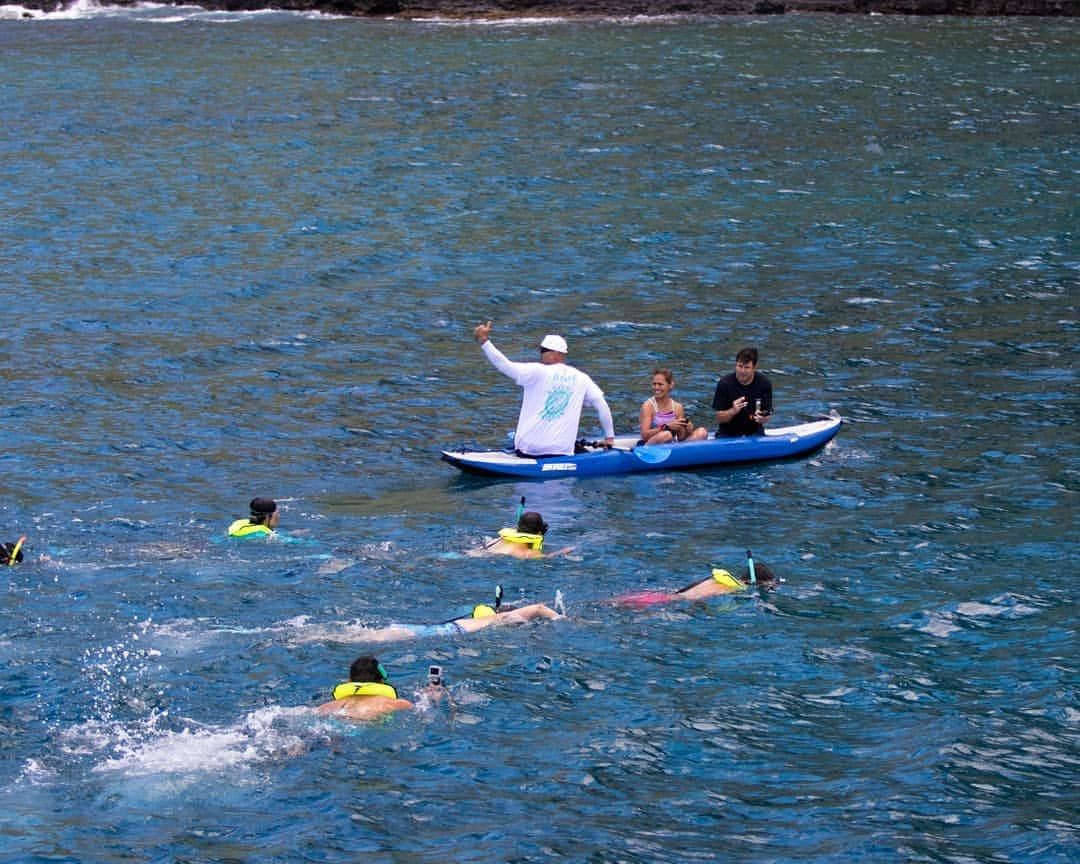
(482, 611)
(367, 669)
(11, 553)
(532, 523)
(763, 576)
(262, 509)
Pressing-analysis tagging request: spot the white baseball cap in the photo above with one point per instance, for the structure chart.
(553, 343)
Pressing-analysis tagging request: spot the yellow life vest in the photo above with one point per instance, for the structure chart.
(726, 579)
(368, 688)
(512, 535)
(246, 528)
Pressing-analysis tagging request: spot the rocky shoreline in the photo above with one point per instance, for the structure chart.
(584, 9)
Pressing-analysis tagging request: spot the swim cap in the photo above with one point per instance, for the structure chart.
(482, 611)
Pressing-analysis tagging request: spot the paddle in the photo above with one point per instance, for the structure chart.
(600, 445)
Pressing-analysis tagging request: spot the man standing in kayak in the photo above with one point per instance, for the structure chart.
(743, 399)
(552, 396)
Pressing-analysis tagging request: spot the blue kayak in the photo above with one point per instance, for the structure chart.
(627, 458)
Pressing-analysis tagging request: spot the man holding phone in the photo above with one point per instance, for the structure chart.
(743, 399)
(368, 694)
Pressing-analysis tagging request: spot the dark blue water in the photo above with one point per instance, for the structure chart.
(243, 255)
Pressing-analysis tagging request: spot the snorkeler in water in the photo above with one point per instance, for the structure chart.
(480, 617)
(367, 695)
(11, 553)
(526, 540)
(262, 522)
(755, 574)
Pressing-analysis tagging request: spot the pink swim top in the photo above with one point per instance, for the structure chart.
(661, 418)
(645, 598)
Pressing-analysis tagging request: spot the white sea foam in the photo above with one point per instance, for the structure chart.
(12, 13)
(264, 735)
(298, 633)
(944, 622)
(34, 772)
(158, 13)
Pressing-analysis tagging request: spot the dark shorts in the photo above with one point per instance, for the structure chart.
(541, 455)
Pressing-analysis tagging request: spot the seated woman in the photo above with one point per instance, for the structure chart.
(663, 420)
(720, 582)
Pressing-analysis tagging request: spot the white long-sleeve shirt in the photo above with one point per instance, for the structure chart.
(551, 400)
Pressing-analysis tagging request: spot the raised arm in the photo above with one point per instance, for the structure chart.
(482, 332)
(497, 359)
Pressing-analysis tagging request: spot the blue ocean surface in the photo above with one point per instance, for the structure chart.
(243, 254)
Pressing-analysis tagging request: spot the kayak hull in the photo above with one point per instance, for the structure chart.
(627, 458)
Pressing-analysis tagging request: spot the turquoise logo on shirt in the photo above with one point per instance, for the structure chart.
(555, 404)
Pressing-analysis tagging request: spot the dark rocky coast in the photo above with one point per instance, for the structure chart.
(630, 8)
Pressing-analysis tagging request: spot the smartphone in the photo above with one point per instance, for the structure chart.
(434, 674)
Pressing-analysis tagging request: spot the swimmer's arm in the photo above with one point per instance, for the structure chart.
(539, 610)
(566, 550)
(528, 613)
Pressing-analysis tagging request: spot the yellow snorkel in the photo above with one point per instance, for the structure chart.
(15, 551)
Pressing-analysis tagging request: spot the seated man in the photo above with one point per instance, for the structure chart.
(262, 522)
(743, 400)
(366, 695)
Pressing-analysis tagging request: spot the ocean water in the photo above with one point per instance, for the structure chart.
(243, 255)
